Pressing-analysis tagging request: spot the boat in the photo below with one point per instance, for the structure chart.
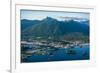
(71, 52)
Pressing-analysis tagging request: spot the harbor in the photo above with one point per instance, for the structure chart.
(48, 51)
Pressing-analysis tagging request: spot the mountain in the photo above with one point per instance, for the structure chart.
(50, 27)
(27, 23)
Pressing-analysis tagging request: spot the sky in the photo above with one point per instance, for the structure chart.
(39, 15)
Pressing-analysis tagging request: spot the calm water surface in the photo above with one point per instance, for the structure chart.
(62, 54)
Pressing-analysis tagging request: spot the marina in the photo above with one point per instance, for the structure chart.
(39, 52)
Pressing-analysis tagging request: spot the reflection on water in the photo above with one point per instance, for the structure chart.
(55, 54)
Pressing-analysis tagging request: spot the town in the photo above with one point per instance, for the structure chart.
(44, 47)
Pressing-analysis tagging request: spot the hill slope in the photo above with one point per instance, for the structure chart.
(50, 27)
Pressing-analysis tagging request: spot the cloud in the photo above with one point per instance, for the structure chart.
(67, 17)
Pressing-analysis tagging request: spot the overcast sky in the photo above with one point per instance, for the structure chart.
(39, 15)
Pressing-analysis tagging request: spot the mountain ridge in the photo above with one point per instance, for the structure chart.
(54, 28)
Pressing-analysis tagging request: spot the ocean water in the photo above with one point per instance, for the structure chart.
(62, 54)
